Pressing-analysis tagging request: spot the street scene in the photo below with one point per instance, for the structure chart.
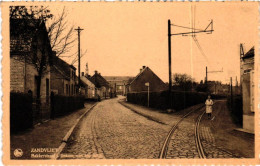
(121, 82)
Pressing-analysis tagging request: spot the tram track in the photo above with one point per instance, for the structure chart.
(163, 153)
(197, 137)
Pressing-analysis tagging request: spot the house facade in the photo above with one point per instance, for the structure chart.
(90, 91)
(103, 88)
(248, 84)
(146, 75)
(63, 77)
(24, 49)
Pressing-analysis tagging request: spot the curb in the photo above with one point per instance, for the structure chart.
(142, 114)
(67, 136)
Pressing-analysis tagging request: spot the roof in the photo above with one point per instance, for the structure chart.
(22, 33)
(63, 66)
(119, 79)
(143, 70)
(138, 74)
(249, 54)
(61, 72)
(86, 81)
(99, 81)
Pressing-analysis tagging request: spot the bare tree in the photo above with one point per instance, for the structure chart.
(26, 25)
(61, 34)
(182, 81)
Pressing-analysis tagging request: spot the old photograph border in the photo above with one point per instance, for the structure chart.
(6, 100)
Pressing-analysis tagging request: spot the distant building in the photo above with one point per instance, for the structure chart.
(146, 75)
(102, 86)
(247, 81)
(119, 82)
(63, 77)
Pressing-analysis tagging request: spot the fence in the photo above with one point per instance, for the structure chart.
(61, 105)
(21, 115)
(25, 112)
(160, 100)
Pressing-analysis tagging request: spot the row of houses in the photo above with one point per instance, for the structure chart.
(36, 69)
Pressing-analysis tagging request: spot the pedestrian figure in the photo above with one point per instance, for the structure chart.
(209, 105)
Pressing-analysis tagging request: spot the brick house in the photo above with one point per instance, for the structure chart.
(23, 48)
(247, 82)
(63, 77)
(146, 75)
(102, 86)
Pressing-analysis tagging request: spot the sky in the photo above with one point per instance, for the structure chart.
(122, 37)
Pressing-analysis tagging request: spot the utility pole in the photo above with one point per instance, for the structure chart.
(79, 30)
(193, 31)
(231, 92)
(206, 80)
(170, 63)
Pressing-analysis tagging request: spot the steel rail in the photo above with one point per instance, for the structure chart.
(197, 137)
(164, 149)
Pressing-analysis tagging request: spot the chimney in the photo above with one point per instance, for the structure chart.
(144, 67)
(82, 74)
(96, 72)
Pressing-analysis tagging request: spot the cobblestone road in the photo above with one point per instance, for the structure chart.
(182, 143)
(209, 144)
(113, 131)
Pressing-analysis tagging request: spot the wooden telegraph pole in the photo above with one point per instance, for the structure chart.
(170, 63)
(79, 30)
(231, 93)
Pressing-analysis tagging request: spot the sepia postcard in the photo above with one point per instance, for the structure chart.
(130, 83)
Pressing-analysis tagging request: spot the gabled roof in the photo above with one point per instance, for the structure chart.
(249, 54)
(86, 80)
(63, 66)
(143, 70)
(117, 78)
(22, 33)
(99, 81)
(139, 74)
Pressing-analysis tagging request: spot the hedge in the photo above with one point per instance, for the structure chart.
(61, 105)
(237, 110)
(180, 99)
(20, 111)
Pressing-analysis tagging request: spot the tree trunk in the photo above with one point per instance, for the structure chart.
(38, 79)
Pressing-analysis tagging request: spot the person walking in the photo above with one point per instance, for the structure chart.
(209, 104)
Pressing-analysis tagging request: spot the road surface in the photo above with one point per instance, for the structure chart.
(111, 131)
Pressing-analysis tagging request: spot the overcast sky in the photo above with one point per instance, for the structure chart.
(122, 37)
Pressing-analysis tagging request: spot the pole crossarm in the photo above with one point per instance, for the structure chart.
(210, 31)
(214, 71)
(197, 30)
